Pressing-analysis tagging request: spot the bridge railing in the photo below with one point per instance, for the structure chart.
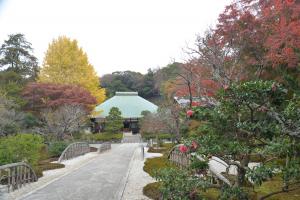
(104, 147)
(182, 160)
(16, 175)
(74, 150)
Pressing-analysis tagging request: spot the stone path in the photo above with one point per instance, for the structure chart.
(102, 178)
(130, 138)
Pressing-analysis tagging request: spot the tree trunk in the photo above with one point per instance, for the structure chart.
(241, 171)
(190, 94)
(157, 145)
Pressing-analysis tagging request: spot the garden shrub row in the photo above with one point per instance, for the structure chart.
(104, 137)
(162, 136)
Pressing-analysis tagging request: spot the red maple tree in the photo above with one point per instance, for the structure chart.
(48, 95)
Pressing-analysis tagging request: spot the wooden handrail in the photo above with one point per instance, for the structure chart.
(16, 175)
(104, 147)
(74, 150)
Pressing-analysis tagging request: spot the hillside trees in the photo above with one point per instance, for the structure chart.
(147, 88)
(121, 81)
(66, 63)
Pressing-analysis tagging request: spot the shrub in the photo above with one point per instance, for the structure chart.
(21, 147)
(151, 190)
(56, 148)
(104, 137)
(178, 184)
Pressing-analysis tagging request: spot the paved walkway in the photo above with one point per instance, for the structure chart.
(102, 178)
(128, 137)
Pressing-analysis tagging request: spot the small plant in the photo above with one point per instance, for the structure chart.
(199, 166)
(56, 148)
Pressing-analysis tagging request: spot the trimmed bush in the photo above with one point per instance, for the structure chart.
(104, 137)
(21, 147)
(151, 190)
(56, 148)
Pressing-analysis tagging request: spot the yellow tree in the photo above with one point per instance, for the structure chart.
(66, 63)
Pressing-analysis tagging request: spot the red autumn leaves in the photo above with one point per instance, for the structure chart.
(48, 95)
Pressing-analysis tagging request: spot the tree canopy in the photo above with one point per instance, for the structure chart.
(66, 63)
(49, 95)
(16, 55)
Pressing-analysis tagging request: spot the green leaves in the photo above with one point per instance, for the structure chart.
(260, 174)
(179, 185)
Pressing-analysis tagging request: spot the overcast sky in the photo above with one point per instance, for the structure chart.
(116, 34)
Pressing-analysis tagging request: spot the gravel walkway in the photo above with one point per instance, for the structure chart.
(104, 177)
(138, 178)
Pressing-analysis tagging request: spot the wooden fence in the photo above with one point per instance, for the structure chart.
(16, 175)
(74, 150)
(104, 147)
(182, 160)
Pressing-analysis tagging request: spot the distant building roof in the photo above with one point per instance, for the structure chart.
(129, 103)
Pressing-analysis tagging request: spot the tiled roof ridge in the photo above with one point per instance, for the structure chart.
(126, 94)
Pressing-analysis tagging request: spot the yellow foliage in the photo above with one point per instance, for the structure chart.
(66, 63)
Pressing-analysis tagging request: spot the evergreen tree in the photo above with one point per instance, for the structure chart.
(16, 55)
(114, 121)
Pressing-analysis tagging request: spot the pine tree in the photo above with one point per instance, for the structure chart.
(114, 121)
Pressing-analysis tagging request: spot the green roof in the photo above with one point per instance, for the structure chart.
(130, 104)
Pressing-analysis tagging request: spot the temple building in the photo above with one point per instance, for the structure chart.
(131, 106)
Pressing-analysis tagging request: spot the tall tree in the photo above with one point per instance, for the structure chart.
(114, 120)
(16, 55)
(66, 63)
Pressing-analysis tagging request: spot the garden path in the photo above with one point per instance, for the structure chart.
(102, 178)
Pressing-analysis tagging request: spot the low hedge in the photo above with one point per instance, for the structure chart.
(105, 137)
(162, 136)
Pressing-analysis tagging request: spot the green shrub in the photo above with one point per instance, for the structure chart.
(104, 137)
(154, 164)
(178, 184)
(151, 190)
(21, 147)
(161, 136)
(56, 148)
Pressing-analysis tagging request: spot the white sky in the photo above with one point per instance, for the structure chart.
(116, 34)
